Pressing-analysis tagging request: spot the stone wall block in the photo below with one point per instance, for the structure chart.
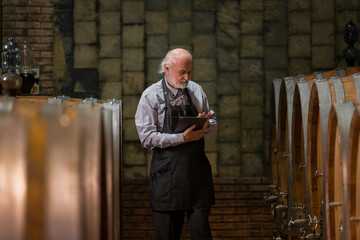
(211, 144)
(275, 11)
(129, 105)
(133, 59)
(228, 12)
(203, 22)
(110, 46)
(204, 5)
(210, 91)
(204, 45)
(252, 93)
(110, 90)
(252, 165)
(133, 82)
(229, 130)
(133, 36)
(134, 154)
(299, 5)
(230, 171)
(180, 33)
(323, 33)
(252, 46)
(85, 56)
(252, 140)
(228, 83)
(204, 69)
(110, 70)
(156, 46)
(275, 34)
(157, 22)
(251, 22)
(251, 5)
(229, 154)
(347, 4)
(299, 46)
(109, 23)
(251, 70)
(299, 66)
(229, 106)
(133, 12)
(85, 10)
(276, 57)
(180, 10)
(252, 117)
(156, 5)
(85, 32)
(228, 35)
(109, 5)
(228, 59)
(300, 22)
(129, 130)
(152, 67)
(323, 57)
(322, 10)
(135, 172)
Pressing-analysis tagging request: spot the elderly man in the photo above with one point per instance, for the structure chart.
(180, 174)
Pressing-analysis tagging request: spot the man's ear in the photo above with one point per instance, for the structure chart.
(166, 67)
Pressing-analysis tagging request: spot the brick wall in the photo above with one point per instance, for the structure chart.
(32, 21)
(239, 213)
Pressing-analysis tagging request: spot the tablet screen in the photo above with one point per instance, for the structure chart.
(186, 122)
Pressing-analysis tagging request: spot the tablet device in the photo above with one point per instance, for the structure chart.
(186, 122)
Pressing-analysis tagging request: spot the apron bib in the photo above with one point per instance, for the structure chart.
(180, 176)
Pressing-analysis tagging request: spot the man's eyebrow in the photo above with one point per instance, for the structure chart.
(183, 71)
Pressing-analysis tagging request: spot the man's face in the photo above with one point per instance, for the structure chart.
(178, 74)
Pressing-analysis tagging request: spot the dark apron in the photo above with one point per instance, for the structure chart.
(180, 176)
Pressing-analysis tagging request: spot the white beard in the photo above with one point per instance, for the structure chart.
(181, 84)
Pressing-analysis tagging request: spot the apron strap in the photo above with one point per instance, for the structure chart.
(166, 96)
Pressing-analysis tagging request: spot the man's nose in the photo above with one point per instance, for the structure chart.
(187, 76)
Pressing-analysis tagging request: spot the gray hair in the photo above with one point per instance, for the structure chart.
(169, 58)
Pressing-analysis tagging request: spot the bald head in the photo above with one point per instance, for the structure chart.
(174, 56)
(177, 66)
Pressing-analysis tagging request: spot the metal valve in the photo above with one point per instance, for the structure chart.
(335, 204)
(271, 198)
(301, 166)
(314, 220)
(317, 174)
(355, 219)
(300, 207)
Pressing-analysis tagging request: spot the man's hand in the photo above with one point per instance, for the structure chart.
(190, 135)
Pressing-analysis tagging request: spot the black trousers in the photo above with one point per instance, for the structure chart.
(168, 225)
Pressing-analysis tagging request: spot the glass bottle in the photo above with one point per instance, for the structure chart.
(11, 81)
(27, 77)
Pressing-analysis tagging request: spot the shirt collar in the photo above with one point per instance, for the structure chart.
(174, 91)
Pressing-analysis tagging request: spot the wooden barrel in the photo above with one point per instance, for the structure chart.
(299, 139)
(352, 70)
(282, 153)
(274, 137)
(323, 94)
(353, 201)
(336, 165)
(71, 153)
(274, 115)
